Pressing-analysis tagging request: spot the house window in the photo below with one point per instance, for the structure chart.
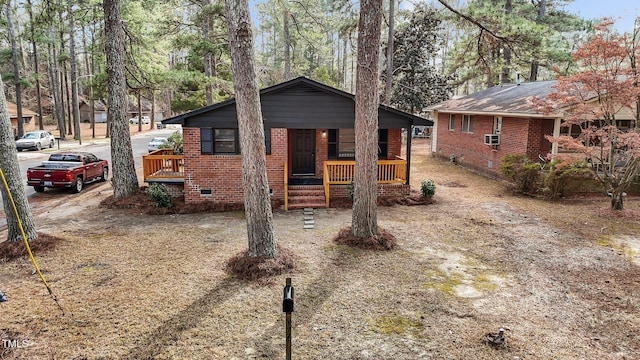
(497, 125)
(267, 140)
(383, 143)
(226, 141)
(572, 130)
(342, 143)
(467, 123)
(452, 121)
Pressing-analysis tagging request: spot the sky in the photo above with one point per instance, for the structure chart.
(622, 11)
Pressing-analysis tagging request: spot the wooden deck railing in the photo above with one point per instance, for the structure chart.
(162, 165)
(342, 172)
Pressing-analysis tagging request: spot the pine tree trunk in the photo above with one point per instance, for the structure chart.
(287, 46)
(365, 209)
(55, 86)
(11, 170)
(35, 66)
(124, 179)
(254, 170)
(389, 80)
(16, 71)
(74, 77)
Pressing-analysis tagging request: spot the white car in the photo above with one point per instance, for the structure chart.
(37, 140)
(145, 120)
(155, 143)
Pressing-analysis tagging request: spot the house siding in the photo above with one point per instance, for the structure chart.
(518, 136)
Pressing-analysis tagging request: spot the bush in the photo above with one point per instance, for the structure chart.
(159, 195)
(173, 142)
(524, 172)
(428, 188)
(558, 177)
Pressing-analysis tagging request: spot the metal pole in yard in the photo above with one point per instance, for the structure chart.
(287, 307)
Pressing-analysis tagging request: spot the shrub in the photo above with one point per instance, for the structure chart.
(173, 142)
(524, 172)
(556, 180)
(428, 188)
(159, 195)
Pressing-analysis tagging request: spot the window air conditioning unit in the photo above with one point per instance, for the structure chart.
(492, 139)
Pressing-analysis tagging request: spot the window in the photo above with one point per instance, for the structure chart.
(342, 143)
(383, 143)
(497, 125)
(467, 123)
(452, 121)
(226, 141)
(267, 140)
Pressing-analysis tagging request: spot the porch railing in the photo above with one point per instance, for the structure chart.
(342, 172)
(163, 165)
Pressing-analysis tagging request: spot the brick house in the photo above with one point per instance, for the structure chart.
(310, 145)
(479, 129)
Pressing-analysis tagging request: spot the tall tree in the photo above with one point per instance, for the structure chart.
(255, 184)
(389, 59)
(11, 170)
(604, 87)
(16, 69)
(365, 209)
(75, 112)
(418, 83)
(124, 179)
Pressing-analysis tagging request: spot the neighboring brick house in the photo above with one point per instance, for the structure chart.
(309, 134)
(479, 129)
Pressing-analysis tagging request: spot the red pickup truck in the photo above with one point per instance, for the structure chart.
(69, 170)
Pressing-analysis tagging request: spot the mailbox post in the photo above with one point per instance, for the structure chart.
(287, 308)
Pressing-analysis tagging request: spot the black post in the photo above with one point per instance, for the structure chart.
(287, 307)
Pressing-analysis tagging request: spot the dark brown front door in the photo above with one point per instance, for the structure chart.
(303, 152)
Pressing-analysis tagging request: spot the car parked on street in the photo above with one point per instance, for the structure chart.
(155, 143)
(134, 120)
(37, 140)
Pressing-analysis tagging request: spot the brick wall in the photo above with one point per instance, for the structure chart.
(518, 136)
(222, 174)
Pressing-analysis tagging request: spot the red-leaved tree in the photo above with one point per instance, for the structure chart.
(596, 98)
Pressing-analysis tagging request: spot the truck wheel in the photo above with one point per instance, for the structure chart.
(78, 185)
(38, 146)
(38, 188)
(105, 174)
(51, 144)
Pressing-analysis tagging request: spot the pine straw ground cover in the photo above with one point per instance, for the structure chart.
(562, 277)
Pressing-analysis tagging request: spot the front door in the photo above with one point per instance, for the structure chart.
(303, 152)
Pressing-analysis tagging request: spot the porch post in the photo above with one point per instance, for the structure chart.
(409, 136)
(556, 133)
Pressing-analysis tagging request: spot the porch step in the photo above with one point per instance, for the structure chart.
(306, 196)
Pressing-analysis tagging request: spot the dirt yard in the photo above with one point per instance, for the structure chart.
(562, 278)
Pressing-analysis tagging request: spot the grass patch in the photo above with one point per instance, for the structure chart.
(395, 325)
(442, 282)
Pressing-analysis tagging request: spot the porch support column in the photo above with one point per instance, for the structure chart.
(556, 132)
(409, 133)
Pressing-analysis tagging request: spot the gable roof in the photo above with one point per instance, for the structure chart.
(506, 99)
(12, 108)
(298, 103)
